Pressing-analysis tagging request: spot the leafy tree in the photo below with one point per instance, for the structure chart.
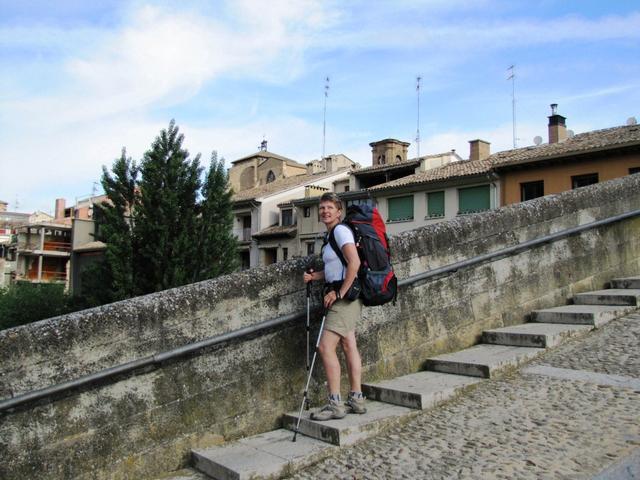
(217, 246)
(166, 213)
(115, 228)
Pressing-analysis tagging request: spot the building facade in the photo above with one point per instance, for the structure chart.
(265, 218)
(567, 161)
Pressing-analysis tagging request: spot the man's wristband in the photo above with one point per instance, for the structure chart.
(338, 296)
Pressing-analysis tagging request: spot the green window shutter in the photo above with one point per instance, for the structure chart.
(473, 199)
(401, 208)
(435, 204)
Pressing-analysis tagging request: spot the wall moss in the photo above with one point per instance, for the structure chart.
(141, 425)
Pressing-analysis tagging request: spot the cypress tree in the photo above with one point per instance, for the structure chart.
(158, 235)
(166, 213)
(216, 243)
(114, 218)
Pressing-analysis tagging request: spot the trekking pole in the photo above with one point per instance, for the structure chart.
(309, 270)
(306, 388)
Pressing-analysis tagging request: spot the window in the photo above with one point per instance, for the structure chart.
(435, 204)
(307, 212)
(285, 253)
(578, 181)
(400, 208)
(245, 261)
(271, 177)
(246, 228)
(531, 190)
(287, 217)
(346, 188)
(381, 160)
(473, 199)
(633, 170)
(311, 248)
(360, 201)
(270, 255)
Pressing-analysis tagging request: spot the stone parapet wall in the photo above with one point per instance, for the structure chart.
(140, 425)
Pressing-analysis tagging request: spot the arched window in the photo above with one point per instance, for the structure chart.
(398, 158)
(381, 160)
(271, 177)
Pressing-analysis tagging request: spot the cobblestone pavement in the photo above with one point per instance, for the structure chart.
(521, 426)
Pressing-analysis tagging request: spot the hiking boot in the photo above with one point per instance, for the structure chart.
(355, 405)
(332, 410)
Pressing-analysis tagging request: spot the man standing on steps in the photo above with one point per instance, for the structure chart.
(342, 314)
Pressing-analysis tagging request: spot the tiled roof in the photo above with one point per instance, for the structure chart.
(90, 246)
(277, 231)
(463, 168)
(267, 154)
(594, 141)
(386, 167)
(582, 143)
(281, 184)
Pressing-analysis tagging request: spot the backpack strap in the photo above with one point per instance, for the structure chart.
(334, 244)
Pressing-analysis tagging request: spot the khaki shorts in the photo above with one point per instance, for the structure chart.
(343, 316)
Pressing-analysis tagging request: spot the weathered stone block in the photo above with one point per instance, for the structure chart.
(141, 424)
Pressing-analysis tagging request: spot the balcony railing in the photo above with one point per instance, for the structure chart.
(47, 276)
(246, 234)
(48, 246)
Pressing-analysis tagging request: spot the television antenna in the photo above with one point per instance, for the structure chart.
(324, 117)
(537, 140)
(512, 77)
(418, 79)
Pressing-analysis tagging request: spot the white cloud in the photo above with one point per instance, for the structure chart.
(476, 33)
(85, 91)
(157, 57)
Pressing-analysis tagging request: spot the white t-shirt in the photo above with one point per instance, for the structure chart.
(333, 269)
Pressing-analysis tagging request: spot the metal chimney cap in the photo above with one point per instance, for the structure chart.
(554, 109)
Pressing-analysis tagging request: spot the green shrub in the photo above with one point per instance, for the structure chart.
(25, 302)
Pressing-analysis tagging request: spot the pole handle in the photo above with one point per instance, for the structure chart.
(309, 270)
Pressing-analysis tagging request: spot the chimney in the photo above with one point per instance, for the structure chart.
(557, 126)
(479, 149)
(60, 205)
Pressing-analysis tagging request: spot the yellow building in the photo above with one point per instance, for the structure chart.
(567, 161)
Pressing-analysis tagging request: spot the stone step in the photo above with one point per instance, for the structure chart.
(612, 296)
(629, 282)
(595, 315)
(351, 428)
(483, 361)
(541, 335)
(268, 455)
(184, 474)
(418, 390)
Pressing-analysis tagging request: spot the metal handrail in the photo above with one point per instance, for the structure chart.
(151, 360)
(505, 252)
(154, 360)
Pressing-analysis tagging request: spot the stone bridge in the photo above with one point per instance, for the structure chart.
(125, 391)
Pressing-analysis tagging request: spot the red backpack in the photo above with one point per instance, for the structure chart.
(378, 282)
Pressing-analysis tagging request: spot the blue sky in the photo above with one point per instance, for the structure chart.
(80, 80)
